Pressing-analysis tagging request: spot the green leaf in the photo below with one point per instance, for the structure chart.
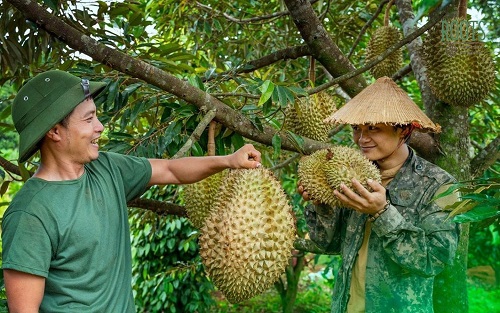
(478, 213)
(51, 4)
(196, 81)
(171, 243)
(299, 91)
(237, 141)
(297, 141)
(266, 89)
(4, 187)
(257, 123)
(285, 96)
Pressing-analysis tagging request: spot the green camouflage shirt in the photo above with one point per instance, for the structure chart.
(409, 244)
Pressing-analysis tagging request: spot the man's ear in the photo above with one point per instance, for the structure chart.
(54, 133)
(405, 132)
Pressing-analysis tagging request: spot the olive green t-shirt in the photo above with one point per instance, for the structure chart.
(75, 233)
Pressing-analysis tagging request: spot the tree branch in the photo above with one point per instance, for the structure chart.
(126, 64)
(406, 40)
(260, 19)
(280, 55)
(407, 19)
(286, 162)
(158, 207)
(322, 46)
(263, 18)
(196, 134)
(9, 167)
(402, 72)
(485, 158)
(307, 245)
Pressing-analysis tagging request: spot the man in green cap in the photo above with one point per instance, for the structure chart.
(65, 236)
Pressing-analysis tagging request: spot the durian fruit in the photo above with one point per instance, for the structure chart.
(313, 178)
(199, 198)
(460, 72)
(305, 117)
(383, 38)
(246, 241)
(325, 170)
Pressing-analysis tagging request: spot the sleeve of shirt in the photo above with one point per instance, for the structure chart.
(324, 225)
(135, 171)
(26, 244)
(424, 248)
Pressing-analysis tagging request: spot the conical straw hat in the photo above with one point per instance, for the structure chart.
(382, 102)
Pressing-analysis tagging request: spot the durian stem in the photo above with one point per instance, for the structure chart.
(462, 8)
(312, 70)
(211, 138)
(196, 134)
(388, 12)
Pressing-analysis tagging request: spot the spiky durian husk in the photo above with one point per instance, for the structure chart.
(313, 178)
(325, 170)
(460, 73)
(199, 198)
(306, 116)
(246, 241)
(383, 38)
(345, 163)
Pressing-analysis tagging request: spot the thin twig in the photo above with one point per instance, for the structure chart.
(195, 136)
(402, 72)
(365, 27)
(286, 162)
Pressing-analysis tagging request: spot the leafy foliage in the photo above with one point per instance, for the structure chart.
(168, 273)
(479, 200)
(219, 47)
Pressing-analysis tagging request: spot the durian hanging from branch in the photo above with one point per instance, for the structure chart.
(383, 38)
(305, 116)
(199, 197)
(460, 67)
(246, 241)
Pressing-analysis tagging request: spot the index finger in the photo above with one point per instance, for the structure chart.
(360, 189)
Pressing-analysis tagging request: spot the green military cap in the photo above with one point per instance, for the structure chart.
(43, 102)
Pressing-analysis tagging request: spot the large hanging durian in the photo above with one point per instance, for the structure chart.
(305, 117)
(383, 38)
(323, 171)
(460, 72)
(199, 198)
(246, 241)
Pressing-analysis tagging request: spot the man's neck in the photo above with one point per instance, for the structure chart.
(395, 160)
(59, 171)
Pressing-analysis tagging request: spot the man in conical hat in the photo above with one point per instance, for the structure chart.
(393, 240)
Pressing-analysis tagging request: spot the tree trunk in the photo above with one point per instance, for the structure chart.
(450, 287)
(288, 291)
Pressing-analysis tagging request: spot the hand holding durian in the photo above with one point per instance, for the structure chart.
(245, 157)
(361, 199)
(325, 171)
